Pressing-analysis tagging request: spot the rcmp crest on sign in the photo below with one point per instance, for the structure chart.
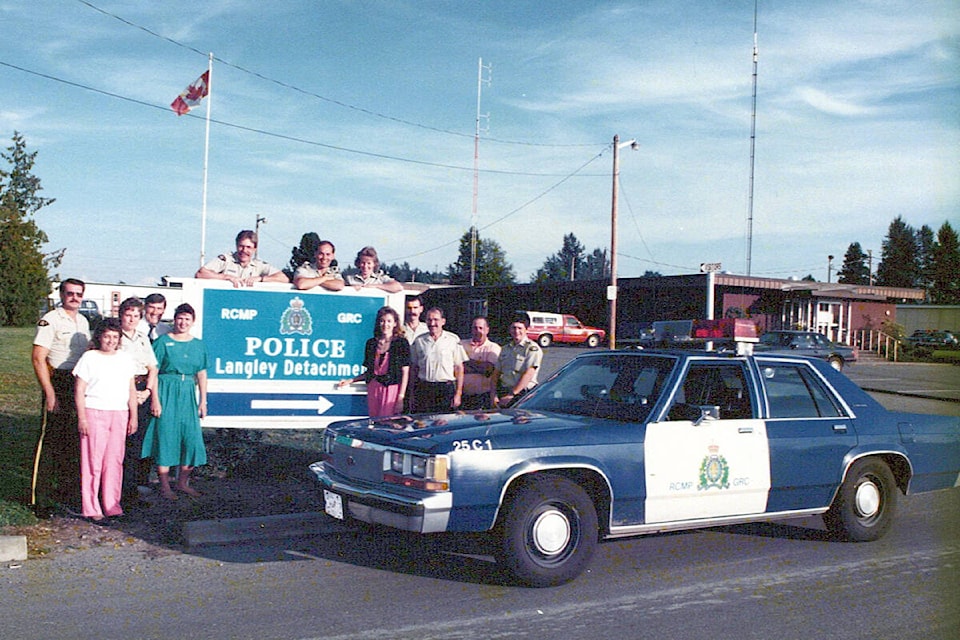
(714, 470)
(296, 319)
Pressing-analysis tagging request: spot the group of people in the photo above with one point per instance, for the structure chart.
(421, 367)
(126, 394)
(244, 269)
(130, 397)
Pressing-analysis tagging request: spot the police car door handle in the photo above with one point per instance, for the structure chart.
(840, 428)
(744, 429)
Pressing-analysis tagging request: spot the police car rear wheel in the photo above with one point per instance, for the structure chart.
(864, 507)
(548, 532)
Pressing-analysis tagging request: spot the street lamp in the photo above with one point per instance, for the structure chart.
(612, 289)
(829, 267)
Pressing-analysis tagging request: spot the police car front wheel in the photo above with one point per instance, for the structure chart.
(548, 531)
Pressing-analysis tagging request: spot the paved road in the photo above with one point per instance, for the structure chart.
(785, 580)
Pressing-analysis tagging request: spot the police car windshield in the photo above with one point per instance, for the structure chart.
(612, 386)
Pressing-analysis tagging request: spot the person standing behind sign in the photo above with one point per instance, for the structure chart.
(242, 268)
(369, 274)
(322, 272)
(387, 358)
(61, 339)
(106, 399)
(174, 437)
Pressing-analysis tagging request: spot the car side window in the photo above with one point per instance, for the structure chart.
(793, 391)
(723, 386)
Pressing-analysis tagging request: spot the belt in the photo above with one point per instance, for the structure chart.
(444, 382)
(182, 376)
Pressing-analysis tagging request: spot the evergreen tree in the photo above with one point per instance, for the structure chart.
(25, 282)
(566, 264)
(898, 264)
(945, 271)
(854, 269)
(491, 265)
(925, 242)
(596, 267)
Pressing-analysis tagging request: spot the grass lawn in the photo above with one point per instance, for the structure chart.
(19, 423)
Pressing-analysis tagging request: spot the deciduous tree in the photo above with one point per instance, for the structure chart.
(491, 264)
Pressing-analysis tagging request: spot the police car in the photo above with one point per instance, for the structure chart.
(623, 443)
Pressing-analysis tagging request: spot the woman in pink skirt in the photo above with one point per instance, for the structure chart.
(387, 359)
(106, 398)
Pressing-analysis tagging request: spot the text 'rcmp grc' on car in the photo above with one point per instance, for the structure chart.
(633, 442)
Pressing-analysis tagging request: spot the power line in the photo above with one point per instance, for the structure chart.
(339, 103)
(280, 136)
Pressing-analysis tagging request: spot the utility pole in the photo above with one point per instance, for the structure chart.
(476, 170)
(256, 230)
(612, 289)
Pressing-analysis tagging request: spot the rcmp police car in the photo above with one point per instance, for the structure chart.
(633, 442)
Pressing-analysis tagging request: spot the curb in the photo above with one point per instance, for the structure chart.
(201, 533)
(911, 394)
(13, 548)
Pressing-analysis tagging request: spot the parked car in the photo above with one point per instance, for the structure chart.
(807, 343)
(928, 338)
(90, 310)
(547, 328)
(623, 443)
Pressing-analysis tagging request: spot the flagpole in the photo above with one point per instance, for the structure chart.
(206, 161)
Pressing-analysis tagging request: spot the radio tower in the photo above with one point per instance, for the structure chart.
(753, 141)
(476, 170)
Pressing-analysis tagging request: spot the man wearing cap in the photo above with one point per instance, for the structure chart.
(242, 268)
(61, 338)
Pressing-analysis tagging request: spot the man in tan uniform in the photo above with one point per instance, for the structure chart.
(62, 336)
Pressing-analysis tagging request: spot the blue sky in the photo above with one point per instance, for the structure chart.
(356, 119)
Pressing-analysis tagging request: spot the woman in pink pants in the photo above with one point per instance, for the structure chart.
(106, 398)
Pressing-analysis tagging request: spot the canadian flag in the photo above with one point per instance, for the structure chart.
(192, 95)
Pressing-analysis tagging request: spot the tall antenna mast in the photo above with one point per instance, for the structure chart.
(476, 172)
(753, 141)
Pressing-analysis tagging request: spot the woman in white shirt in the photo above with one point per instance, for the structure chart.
(106, 398)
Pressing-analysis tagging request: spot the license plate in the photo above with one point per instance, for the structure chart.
(333, 504)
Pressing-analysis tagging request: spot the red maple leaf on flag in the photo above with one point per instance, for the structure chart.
(192, 95)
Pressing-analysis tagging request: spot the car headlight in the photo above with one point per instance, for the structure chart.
(429, 473)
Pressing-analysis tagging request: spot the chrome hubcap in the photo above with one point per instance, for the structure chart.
(551, 532)
(868, 499)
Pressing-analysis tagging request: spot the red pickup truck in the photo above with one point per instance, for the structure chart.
(547, 328)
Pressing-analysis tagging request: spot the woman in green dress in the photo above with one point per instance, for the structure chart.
(173, 437)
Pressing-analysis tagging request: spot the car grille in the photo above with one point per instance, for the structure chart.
(357, 462)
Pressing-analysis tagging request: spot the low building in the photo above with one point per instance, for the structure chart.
(835, 310)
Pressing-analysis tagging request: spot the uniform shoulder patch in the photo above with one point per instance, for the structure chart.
(533, 347)
(43, 323)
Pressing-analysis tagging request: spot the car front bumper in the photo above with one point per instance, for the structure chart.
(427, 513)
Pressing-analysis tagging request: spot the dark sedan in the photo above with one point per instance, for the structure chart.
(807, 343)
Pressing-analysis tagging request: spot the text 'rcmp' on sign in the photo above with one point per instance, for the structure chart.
(706, 267)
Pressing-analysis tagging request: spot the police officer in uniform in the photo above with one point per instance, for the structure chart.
(517, 365)
(242, 268)
(62, 336)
